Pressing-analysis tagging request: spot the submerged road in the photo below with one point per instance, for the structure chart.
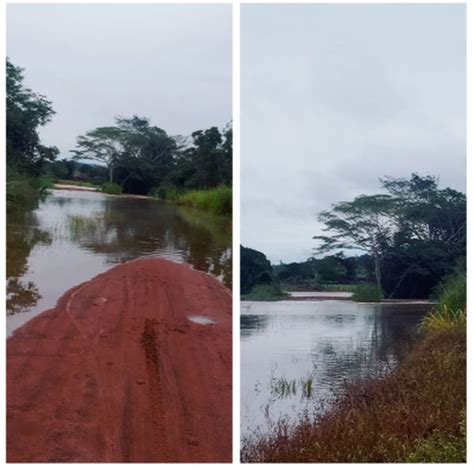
(118, 371)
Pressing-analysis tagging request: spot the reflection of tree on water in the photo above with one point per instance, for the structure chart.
(390, 330)
(23, 234)
(127, 228)
(252, 324)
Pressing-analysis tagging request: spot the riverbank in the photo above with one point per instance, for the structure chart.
(120, 371)
(415, 414)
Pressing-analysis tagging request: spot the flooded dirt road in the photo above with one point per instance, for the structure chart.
(118, 372)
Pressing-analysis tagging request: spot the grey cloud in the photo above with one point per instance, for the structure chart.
(335, 97)
(171, 63)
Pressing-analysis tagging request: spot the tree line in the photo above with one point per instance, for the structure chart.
(139, 157)
(410, 237)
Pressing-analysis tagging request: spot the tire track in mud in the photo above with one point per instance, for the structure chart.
(150, 347)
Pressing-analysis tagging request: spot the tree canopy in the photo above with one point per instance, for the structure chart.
(26, 111)
(144, 158)
(415, 232)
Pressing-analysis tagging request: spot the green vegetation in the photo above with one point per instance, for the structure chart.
(217, 200)
(257, 280)
(414, 233)
(367, 293)
(450, 314)
(24, 191)
(131, 155)
(111, 188)
(266, 292)
(145, 159)
(415, 414)
(26, 156)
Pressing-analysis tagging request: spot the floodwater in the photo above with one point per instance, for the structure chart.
(297, 355)
(75, 235)
(320, 294)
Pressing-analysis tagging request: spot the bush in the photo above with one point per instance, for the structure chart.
(271, 292)
(24, 192)
(452, 291)
(217, 200)
(367, 293)
(165, 193)
(111, 188)
(444, 320)
(450, 315)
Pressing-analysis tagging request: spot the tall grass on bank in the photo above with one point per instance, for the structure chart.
(216, 200)
(24, 192)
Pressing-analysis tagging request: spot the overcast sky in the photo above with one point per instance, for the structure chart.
(171, 63)
(336, 96)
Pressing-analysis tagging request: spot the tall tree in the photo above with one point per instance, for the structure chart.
(365, 224)
(26, 111)
(103, 145)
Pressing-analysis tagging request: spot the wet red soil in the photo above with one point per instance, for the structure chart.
(118, 373)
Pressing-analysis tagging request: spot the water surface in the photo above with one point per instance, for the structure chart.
(297, 355)
(75, 235)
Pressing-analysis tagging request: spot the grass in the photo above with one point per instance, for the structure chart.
(216, 200)
(444, 319)
(111, 189)
(271, 292)
(23, 192)
(367, 293)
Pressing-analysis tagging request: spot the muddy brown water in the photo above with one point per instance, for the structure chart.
(296, 357)
(75, 235)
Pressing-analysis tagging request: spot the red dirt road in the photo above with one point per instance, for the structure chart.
(118, 373)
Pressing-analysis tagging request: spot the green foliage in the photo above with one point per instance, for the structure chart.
(367, 293)
(111, 189)
(218, 200)
(450, 315)
(414, 233)
(441, 447)
(255, 269)
(270, 292)
(169, 193)
(144, 159)
(23, 191)
(452, 291)
(26, 112)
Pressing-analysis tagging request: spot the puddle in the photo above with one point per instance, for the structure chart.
(203, 320)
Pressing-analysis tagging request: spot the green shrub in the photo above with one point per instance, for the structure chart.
(452, 291)
(270, 292)
(216, 200)
(165, 193)
(444, 319)
(367, 293)
(450, 315)
(23, 192)
(111, 188)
